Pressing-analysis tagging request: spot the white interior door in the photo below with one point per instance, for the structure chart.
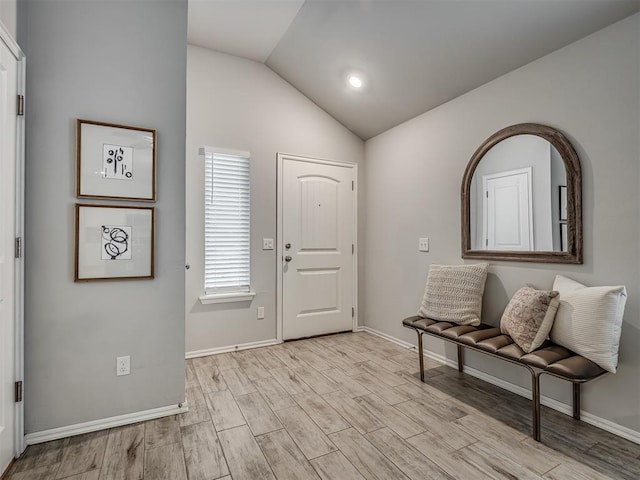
(8, 128)
(508, 210)
(317, 246)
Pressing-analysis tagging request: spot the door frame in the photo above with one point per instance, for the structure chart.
(279, 233)
(13, 46)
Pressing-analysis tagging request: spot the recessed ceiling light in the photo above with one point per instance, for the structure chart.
(355, 81)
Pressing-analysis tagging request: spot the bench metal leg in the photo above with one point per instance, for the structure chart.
(535, 404)
(576, 401)
(420, 356)
(535, 379)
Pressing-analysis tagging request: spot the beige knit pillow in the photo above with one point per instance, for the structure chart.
(529, 317)
(454, 293)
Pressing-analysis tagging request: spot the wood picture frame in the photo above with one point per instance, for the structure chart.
(562, 196)
(115, 161)
(114, 242)
(564, 238)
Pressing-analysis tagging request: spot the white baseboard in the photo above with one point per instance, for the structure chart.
(104, 423)
(231, 348)
(397, 341)
(604, 424)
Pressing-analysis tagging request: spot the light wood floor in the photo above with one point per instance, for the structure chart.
(347, 406)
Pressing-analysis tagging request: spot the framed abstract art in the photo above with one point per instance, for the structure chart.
(115, 161)
(114, 242)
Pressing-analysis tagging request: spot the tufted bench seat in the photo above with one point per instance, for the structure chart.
(550, 359)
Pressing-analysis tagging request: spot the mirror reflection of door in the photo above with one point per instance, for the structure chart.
(546, 172)
(508, 211)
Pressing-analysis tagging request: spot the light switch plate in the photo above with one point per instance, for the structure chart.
(267, 243)
(423, 244)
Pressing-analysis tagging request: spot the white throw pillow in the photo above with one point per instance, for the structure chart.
(454, 293)
(589, 320)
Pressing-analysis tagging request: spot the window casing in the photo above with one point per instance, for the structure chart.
(226, 224)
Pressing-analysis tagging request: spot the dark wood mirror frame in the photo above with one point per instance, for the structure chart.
(574, 198)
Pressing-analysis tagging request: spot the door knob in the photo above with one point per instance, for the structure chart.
(287, 246)
(287, 258)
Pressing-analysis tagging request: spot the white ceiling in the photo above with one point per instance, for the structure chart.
(415, 55)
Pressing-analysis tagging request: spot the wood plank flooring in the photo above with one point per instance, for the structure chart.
(340, 407)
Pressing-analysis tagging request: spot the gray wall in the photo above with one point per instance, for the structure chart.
(590, 90)
(120, 62)
(8, 16)
(240, 104)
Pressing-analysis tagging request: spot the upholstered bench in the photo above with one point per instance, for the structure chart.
(549, 358)
(571, 332)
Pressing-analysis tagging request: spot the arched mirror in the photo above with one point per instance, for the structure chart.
(521, 198)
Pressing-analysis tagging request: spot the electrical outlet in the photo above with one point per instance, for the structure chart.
(267, 243)
(260, 313)
(423, 244)
(123, 365)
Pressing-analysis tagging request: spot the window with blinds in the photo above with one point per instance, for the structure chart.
(226, 224)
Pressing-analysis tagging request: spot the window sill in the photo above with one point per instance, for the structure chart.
(227, 297)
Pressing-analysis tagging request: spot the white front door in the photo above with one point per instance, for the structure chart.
(508, 210)
(8, 96)
(316, 246)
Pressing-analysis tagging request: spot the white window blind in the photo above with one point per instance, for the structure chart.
(226, 225)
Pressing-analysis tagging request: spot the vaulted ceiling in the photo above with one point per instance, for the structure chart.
(412, 55)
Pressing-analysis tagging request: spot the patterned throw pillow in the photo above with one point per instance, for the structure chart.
(454, 293)
(589, 320)
(529, 317)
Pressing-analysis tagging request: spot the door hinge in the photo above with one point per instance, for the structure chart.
(19, 391)
(352, 185)
(487, 192)
(18, 247)
(20, 105)
(353, 312)
(486, 242)
(353, 249)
